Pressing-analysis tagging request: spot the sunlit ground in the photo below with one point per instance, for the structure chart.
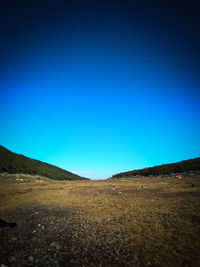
(135, 222)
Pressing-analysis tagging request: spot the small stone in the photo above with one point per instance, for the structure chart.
(39, 225)
(31, 258)
(53, 244)
(43, 227)
(57, 247)
(34, 231)
(144, 187)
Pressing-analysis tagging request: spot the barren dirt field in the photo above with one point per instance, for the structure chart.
(135, 222)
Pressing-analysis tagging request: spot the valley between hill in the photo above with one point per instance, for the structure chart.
(131, 222)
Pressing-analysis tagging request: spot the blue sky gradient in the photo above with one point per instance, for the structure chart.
(100, 92)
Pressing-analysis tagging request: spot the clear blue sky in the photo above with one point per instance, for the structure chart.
(97, 90)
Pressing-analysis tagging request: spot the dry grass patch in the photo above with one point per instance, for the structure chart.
(136, 222)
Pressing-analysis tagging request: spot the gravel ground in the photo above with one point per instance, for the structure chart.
(49, 236)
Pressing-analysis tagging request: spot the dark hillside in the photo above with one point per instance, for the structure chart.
(187, 167)
(14, 163)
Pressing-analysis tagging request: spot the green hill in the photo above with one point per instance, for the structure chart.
(186, 167)
(14, 163)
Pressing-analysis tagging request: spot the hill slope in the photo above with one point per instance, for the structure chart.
(186, 166)
(14, 163)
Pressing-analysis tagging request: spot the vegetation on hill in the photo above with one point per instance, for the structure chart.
(14, 163)
(191, 166)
